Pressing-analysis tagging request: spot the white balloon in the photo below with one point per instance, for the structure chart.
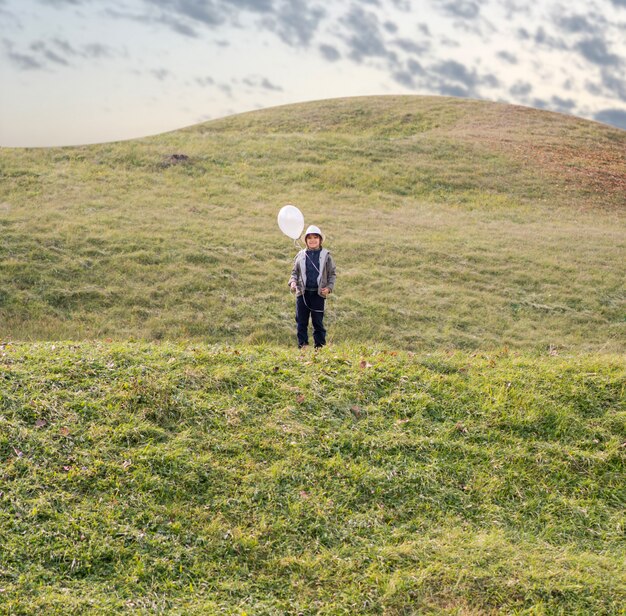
(291, 221)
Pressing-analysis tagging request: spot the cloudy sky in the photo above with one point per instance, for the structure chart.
(85, 71)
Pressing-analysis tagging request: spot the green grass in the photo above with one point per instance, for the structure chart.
(458, 448)
(143, 478)
(454, 224)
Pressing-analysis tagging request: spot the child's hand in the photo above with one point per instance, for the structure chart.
(325, 291)
(294, 287)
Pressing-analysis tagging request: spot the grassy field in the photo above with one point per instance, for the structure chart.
(184, 479)
(455, 224)
(460, 446)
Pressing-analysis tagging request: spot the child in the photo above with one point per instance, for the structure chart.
(312, 279)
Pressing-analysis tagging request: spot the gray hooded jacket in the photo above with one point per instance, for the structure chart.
(325, 279)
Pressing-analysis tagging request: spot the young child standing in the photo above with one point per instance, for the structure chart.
(312, 280)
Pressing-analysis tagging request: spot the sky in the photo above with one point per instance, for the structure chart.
(91, 71)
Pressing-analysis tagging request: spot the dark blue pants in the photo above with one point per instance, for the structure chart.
(310, 305)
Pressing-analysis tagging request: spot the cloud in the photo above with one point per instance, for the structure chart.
(521, 89)
(407, 76)
(541, 37)
(615, 85)
(465, 9)
(411, 46)
(615, 117)
(97, 50)
(205, 12)
(390, 27)
(404, 78)
(424, 29)
(450, 78)
(56, 52)
(507, 56)
(539, 103)
(23, 62)
(65, 47)
(364, 37)
(261, 6)
(41, 48)
(447, 89)
(464, 81)
(171, 21)
(516, 7)
(160, 73)
(89, 51)
(205, 81)
(262, 83)
(236, 87)
(467, 17)
(330, 53)
(178, 26)
(227, 89)
(185, 16)
(295, 22)
(61, 2)
(268, 85)
(561, 104)
(415, 67)
(575, 24)
(595, 50)
(456, 71)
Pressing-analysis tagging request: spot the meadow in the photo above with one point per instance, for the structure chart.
(161, 478)
(458, 448)
(454, 224)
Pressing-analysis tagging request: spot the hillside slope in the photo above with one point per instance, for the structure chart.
(190, 479)
(454, 223)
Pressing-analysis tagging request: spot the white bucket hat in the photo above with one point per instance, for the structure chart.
(312, 229)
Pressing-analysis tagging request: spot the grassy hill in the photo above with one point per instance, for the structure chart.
(454, 224)
(180, 479)
(459, 447)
